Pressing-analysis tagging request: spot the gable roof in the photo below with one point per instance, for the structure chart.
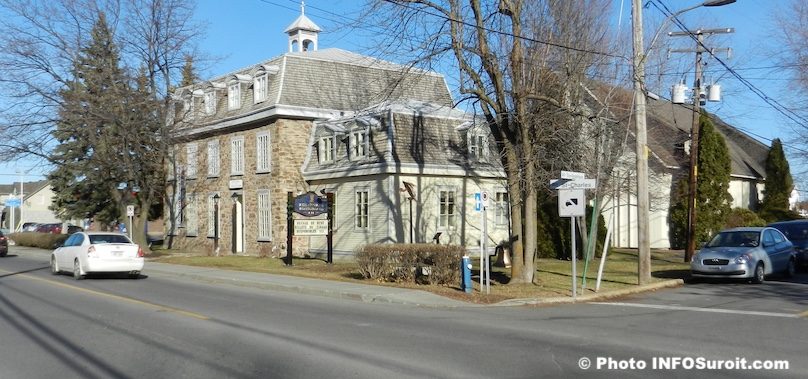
(669, 128)
(30, 188)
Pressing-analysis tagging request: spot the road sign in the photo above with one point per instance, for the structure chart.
(572, 175)
(130, 210)
(571, 203)
(12, 202)
(572, 184)
(485, 199)
(478, 202)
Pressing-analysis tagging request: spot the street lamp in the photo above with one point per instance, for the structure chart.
(216, 224)
(643, 244)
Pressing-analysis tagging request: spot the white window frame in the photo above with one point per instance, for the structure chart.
(264, 208)
(502, 208)
(191, 216)
(191, 156)
(358, 144)
(478, 145)
(326, 149)
(237, 155)
(210, 102)
(234, 95)
(362, 209)
(447, 208)
(260, 88)
(263, 152)
(214, 158)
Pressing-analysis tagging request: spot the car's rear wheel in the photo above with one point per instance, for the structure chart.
(791, 269)
(759, 274)
(53, 267)
(134, 275)
(77, 270)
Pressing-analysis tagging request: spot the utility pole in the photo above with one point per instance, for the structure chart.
(643, 244)
(694, 131)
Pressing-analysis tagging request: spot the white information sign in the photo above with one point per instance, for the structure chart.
(571, 203)
(572, 184)
(317, 227)
(130, 210)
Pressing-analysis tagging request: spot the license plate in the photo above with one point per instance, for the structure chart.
(117, 253)
(715, 268)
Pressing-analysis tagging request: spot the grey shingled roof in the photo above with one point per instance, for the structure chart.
(422, 134)
(669, 128)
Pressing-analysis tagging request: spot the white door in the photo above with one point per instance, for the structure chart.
(238, 226)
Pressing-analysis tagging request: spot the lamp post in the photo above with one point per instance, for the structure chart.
(641, 152)
(216, 224)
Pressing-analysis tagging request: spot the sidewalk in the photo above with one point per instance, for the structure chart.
(343, 290)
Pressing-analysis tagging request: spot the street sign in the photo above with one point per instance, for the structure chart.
(572, 184)
(571, 203)
(485, 199)
(478, 202)
(12, 202)
(130, 210)
(318, 227)
(572, 175)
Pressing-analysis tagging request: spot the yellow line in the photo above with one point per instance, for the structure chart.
(803, 314)
(117, 297)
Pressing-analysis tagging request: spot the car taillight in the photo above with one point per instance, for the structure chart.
(91, 251)
(139, 252)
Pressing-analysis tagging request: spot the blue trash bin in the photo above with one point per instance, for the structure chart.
(465, 271)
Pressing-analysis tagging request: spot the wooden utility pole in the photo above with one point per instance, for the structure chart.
(643, 244)
(694, 131)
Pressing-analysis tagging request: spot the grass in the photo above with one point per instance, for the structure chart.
(552, 277)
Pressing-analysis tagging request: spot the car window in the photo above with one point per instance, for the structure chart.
(768, 239)
(108, 238)
(778, 237)
(794, 231)
(735, 239)
(79, 239)
(70, 241)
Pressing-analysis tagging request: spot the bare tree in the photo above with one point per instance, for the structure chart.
(523, 66)
(38, 48)
(792, 36)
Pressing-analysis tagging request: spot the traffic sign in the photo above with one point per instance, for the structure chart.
(130, 210)
(571, 203)
(572, 175)
(572, 184)
(12, 202)
(485, 199)
(478, 202)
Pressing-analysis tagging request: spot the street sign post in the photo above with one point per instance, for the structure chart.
(572, 204)
(130, 212)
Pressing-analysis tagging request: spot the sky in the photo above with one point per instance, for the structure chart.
(241, 33)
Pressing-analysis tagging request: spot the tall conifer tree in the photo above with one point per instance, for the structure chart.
(779, 184)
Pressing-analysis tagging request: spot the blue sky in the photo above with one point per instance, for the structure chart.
(243, 32)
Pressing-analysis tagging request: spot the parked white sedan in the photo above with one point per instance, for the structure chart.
(89, 252)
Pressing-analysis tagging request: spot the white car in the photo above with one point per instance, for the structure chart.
(89, 252)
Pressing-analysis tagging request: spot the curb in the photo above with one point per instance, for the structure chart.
(673, 283)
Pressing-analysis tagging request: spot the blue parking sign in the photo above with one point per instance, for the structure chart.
(478, 202)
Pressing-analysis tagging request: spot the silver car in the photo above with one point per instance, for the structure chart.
(746, 253)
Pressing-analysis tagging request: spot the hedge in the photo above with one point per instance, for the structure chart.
(413, 263)
(41, 240)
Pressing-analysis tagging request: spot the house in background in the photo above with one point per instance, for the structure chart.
(38, 197)
(669, 160)
(372, 132)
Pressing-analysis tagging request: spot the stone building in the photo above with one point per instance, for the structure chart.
(250, 137)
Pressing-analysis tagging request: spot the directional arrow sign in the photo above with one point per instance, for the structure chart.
(572, 184)
(571, 203)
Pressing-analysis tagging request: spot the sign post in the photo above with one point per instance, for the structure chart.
(130, 212)
(572, 204)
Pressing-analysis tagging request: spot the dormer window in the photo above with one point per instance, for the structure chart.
(234, 95)
(358, 144)
(260, 88)
(188, 108)
(210, 102)
(326, 149)
(478, 146)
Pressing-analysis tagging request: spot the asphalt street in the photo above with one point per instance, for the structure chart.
(170, 324)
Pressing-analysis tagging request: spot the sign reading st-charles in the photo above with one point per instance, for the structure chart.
(309, 204)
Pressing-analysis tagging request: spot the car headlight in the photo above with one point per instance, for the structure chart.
(695, 258)
(743, 259)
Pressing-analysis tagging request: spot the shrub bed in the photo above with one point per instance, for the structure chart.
(40, 240)
(414, 263)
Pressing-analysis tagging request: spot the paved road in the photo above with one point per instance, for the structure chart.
(172, 326)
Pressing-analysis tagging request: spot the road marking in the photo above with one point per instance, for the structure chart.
(710, 310)
(116, 297)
